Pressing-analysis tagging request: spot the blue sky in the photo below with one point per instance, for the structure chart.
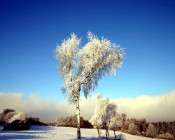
(30, 29)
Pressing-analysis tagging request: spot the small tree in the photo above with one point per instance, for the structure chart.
(151, 131)
(110, 112)
(116, 123)
(104, 111)
(123, 115)
(96, 120)
(132, 128)
(97, 123)
(83, 68)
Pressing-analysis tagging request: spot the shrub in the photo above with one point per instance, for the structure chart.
(166, 136)
(17, 125)
(151, 131)
(143, 133)
(132, 128)
(34, 121)
(72, 122)
(12, 120)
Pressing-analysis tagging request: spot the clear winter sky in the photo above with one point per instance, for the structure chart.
(30, 30)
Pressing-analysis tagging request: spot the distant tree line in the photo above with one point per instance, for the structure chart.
(71, 121)
(163, 130)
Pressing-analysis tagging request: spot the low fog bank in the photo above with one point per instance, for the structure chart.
(153, 108)
(46, 109)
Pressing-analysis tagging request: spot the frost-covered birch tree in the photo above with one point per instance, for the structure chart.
(109, 113)
(104, 112)
(82, 67)
(96, 119)
(116, 123)
(97, 124)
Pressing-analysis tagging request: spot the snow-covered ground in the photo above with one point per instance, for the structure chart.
(61, 133)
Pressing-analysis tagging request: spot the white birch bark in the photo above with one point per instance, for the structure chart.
(78, 118)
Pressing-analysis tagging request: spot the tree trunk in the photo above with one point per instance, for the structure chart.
(114, 134)
(78, 118)
(99, 132)
(107, 133)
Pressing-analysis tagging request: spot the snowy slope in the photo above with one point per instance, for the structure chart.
(62, 133)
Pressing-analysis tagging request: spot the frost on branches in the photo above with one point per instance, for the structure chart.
(116, 123)
(104, 112)
(85, 67)
(82, 68)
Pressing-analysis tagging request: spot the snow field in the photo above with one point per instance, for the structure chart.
(61, 133)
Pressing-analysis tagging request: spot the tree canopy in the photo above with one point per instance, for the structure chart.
(84, 67)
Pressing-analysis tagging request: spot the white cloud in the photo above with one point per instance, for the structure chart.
(45, 109)
(153, 108)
